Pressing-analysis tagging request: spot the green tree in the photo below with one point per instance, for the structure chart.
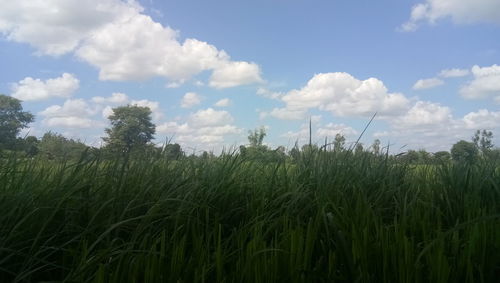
(12, 120)
(131, 129)
(442, 156)
(339, 142)
(172, 151)
(483, 140)
(256, 137)
(358, 149)
(54, 146)
(376, 147)
(464, 151)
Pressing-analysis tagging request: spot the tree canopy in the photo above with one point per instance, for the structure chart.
(12, 120)
(131, 129)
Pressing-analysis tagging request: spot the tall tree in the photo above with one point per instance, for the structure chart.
(131, 129)
(464, 151)
(483, 140)
(339, 142)
(12, 120)
(256, 137)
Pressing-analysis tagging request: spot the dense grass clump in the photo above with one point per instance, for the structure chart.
(324, 217)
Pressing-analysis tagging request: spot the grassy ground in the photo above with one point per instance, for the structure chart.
(327, 217)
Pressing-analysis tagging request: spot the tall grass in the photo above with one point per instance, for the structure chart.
(327, 217)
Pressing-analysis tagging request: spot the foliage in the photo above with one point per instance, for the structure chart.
(442, 156)
(464, 152)
(256, 137)
(131, 129)
(483, 141)
(12, 120)
(327, 217)
(54, 146)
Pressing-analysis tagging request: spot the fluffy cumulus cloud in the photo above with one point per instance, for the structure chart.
(74, 113)
(106, 104)
(115, 98)
(203, 128)
(331, 130)
(118, 39)
(482, 119)
(460, 12)
(190, 99)
(56, 27)
(486, 83)
(423, 114)
(342, 95)
(427, 83)
(30, 89)
(453, 73)
(232, 74)
(433, 127)
(225, 102)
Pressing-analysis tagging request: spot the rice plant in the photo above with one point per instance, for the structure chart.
(326, 216)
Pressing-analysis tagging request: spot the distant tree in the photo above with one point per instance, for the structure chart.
(465, 152)
(442, 156)
(173, 151)
(424, 157)
(376, 147)
(339, 142)
(12, 120)
(30, 146)
(358, 149)
(295, 152)
(131, 129)
(256, 137)
(55, 146)
(409, 157)
(483, 140)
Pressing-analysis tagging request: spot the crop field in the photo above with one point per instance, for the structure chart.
(323, 217)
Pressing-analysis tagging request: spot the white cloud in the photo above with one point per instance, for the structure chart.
(432, 126)
(190, 99)
(423, 114)
(202, 129)
(269, 94)
(118, 39)
(115, 98)
(486, 83)
(107, 111)
(30, 89)
(482, 119)
(286, 114)
(232, 74)
(427, 83)
(331, 129)
(223, 102)
(209, 117)
(342, 95)
(460, 12)
(57, 27)
(74, 113)
(454, 73)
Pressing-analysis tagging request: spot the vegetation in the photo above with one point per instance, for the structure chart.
(12, 120)
(313, 214)
(131, 129)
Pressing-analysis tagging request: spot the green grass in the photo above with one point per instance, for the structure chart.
(327, 217)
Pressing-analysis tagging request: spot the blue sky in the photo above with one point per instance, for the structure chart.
(212, 70)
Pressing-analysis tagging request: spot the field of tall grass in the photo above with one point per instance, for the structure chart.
(324, 217)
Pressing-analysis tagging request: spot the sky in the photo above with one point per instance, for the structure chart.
(210, 71)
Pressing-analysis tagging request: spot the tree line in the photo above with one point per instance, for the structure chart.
(132, 131)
